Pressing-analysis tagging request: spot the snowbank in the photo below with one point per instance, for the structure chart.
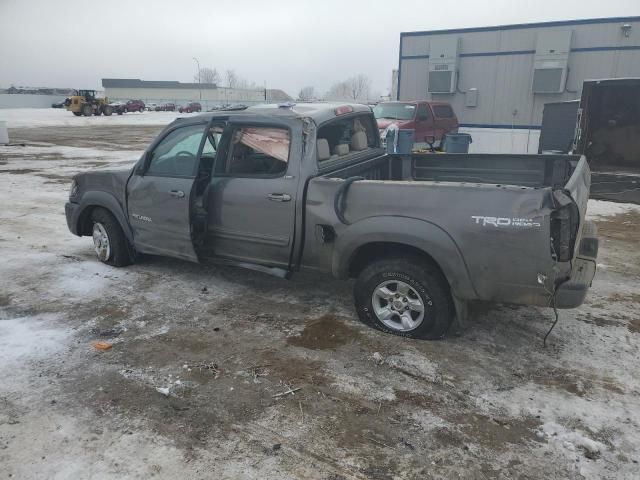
(40, 117)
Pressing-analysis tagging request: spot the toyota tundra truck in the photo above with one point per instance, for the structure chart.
(286, 188)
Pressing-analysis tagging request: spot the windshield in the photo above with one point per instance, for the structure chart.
(394, 111)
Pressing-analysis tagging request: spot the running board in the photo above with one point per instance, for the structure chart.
(274, 271)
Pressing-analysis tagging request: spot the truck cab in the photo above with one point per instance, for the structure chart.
(431, 121)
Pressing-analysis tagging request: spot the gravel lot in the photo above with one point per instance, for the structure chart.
(193, 385)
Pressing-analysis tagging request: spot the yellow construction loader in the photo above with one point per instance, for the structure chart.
(86, 103)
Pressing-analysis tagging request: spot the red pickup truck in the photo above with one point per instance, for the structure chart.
(431, 121)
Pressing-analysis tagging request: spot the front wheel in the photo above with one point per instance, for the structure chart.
(107, 110)
(405, 296)
(109, 242)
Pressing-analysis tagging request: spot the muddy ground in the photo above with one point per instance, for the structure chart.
(194, 384)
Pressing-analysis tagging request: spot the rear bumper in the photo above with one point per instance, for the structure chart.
(571, 294)
(72, 212)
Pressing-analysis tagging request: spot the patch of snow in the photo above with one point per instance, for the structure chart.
(599, 209)
(24, 340)
(46, 152)
(560, 436)
(40, 117)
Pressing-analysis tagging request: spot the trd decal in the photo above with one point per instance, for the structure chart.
(505, 222)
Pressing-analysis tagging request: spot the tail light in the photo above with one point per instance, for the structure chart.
(565, 222)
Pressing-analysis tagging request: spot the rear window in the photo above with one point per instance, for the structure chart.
(346, 136)
(442, 111)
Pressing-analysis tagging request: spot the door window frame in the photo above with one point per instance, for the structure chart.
(147, 157)
(227, 150)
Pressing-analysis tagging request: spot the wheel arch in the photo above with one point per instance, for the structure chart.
(383, 237)
(91, 201)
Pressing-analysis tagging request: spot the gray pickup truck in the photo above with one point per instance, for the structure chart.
(307, 187)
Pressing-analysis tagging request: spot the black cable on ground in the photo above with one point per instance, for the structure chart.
(555, 312)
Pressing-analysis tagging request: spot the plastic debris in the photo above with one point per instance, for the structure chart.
(163, 390)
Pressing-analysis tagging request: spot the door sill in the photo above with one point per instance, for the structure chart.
(273, 271)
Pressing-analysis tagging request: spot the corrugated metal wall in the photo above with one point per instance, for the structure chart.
(499, 63)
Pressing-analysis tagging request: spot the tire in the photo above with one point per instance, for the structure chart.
(120, 112)
(87, 110)
(98, 112)
(105, 227)
(107, 111)
(410, 283)
(77, 114)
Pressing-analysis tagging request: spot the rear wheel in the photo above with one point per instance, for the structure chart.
(109, 242)
(405, 296)
(141, 109)
(77, 114)
(107, 110)
(86, 110)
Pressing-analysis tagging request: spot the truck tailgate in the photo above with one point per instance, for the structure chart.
(578, 187)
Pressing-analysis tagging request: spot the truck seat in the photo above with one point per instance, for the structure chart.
(322, 145)
(341, 149)
(358, 141)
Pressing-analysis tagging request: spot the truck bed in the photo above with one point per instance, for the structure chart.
(522, 170)
(495, 224)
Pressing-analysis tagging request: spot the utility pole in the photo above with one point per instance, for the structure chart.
(199, 87)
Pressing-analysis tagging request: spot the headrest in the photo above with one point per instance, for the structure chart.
(341, 149)
(358, 141)
(322, 145)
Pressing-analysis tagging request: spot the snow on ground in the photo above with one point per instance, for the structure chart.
(41, 117)
(599, 209)
(491, 403)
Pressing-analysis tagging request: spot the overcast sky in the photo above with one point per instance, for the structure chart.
(286, 44)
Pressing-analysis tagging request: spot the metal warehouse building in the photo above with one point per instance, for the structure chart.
(181, 93)
(499, 78)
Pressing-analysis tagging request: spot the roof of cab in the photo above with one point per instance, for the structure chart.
(318, 112)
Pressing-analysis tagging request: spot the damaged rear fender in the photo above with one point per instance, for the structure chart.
(427, 237)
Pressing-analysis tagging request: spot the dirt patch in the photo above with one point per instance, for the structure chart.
(423, 401)
(574, 382)
(19, 171)
(296, 371)
(564, 380)
(634, 325)
(497, 433)
(627, 297)
(601, 321)
(5, 300)
(623, 227)
(325, 333)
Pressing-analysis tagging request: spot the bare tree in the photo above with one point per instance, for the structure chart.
(232, 79)
(208, 75)
(355, 88)
(338, 91)
(359, 87)
(306, 94)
